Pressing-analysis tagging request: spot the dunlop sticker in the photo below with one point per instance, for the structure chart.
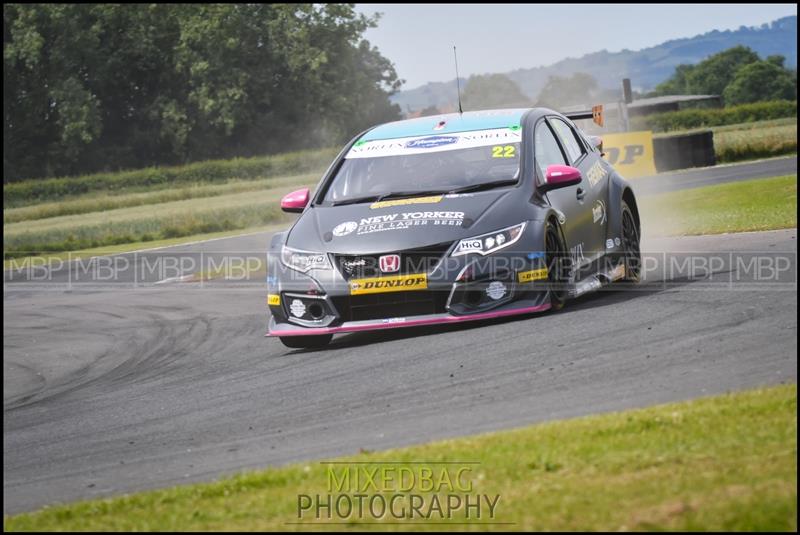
(631, 153)
(396, 283)
(274, 300)
(533, 275)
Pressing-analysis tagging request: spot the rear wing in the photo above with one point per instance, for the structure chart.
(596, 114)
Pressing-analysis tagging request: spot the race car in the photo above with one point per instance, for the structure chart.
(452, 218)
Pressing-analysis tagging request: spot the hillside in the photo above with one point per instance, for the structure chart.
(646, 67)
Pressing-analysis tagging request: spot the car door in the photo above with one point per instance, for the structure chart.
(548, 151)
(586, 201)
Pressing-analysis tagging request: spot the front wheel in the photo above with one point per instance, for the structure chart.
(558, 268)
(630, 245)
(306, 342)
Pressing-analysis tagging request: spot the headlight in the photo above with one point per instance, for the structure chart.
(490, 242)
(304, 261)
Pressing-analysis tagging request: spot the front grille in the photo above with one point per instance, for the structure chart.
(420, 260)
(390, 305)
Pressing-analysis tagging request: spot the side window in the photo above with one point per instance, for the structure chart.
(546, 150)
(586, 143)
(567, 136)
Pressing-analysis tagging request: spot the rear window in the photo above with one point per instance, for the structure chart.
(425, 163)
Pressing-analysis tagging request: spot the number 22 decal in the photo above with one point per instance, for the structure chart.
(501, 151)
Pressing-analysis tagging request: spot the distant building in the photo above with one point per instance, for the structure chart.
(642, 107)
(647, 106)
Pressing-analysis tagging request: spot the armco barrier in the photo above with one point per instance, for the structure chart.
(684, 150)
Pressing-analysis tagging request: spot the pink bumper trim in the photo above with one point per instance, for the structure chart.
(443, 320)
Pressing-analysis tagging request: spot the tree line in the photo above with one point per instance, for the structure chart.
(101, 87)
(738, 74)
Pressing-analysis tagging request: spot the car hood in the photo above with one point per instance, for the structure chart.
(400, 224)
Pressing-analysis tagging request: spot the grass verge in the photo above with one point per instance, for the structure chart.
(750, 144)
(721, 463)
(748, 141)
(34, 191)
(19, 262)
(104, 202)
(759, 204)
(147, 223)
(697, 117)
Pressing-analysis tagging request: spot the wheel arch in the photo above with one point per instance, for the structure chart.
(551, 215)
(630, 200)
(620, 190)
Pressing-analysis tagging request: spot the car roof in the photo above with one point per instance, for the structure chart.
(453, 123)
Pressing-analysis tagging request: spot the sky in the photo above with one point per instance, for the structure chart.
(419, 38)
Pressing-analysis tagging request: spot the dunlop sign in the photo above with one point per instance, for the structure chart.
(631, 153)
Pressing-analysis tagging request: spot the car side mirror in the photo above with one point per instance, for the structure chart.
(560, 176)
(296, 201)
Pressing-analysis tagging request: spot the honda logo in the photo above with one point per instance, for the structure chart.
(389, 263)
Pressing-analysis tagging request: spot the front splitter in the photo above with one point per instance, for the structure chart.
(285, 329)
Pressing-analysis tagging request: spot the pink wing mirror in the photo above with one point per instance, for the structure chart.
(560, 176)
(295, 201)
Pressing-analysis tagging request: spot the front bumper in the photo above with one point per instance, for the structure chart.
(455, 290)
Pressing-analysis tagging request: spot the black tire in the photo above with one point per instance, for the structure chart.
(558, 265)
(631, 245)
(306, 342)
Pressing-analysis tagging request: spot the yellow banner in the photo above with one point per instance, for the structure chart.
(396, 283)
(631, 153)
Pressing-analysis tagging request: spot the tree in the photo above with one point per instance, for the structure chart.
(712, 75)
(578, 89)
(677, 84)
(762, 80)
(492, 91)
(103, 86)
(737, 74)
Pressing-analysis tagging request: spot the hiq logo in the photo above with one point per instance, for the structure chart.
(431, 142)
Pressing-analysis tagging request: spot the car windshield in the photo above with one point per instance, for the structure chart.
(433, 164)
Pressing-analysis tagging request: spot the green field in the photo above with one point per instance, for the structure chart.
(41, 260)
(760, 204)
(747, 141)
(150, 179)
(105, 201)
(721, 463)
(713, 117)
(137, 209)
(137, 218)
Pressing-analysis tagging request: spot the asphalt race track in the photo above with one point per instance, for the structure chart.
(141, 383)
